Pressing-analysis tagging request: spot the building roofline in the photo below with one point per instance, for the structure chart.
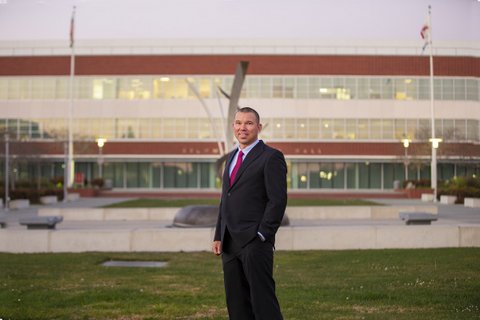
(235, 47)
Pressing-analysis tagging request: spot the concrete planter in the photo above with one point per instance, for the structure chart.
(416, 193)
(448, 199)
(19, 204)
(85, 192)
(472, 202)
(73, 196)
(427, 197)
(48, 199)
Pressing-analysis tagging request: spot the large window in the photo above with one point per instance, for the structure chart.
(313, 129)
(370, 175)
(170, 174)
(302, 174)
(255, 86)
(186, 175)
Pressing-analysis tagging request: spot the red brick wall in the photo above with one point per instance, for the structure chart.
(192, 149)
(226, 64)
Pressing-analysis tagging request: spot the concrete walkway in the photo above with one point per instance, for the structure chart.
(13, 215)
(447, 213)
(457, 226)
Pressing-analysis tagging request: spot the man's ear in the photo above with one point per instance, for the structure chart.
(260, 127)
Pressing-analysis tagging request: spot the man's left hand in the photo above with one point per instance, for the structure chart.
(217, 247)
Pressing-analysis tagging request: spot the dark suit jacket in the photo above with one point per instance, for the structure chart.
(257, 199)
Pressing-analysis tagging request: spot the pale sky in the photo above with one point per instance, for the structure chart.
(392, 20)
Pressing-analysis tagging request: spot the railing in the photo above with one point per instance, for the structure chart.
(11, 49)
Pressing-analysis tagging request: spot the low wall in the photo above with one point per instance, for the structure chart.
(109, 214)
(295, 213)
(200, 239)
(374, 237)
(354, 212)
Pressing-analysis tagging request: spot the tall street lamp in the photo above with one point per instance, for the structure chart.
(406, 143)
(7, 170)
(100, 144)
(65, 172)
(435, 143)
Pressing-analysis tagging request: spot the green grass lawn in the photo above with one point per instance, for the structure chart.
(362, 284)
(157, 203)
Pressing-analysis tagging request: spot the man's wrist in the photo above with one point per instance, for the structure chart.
(260, 235)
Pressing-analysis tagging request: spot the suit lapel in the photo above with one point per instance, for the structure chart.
(249, 159)
(226, 176)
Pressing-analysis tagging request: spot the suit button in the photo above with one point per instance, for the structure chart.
(228, 194)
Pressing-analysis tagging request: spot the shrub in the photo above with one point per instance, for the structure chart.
(461, 187)
(473, 182)
(24, 184)
(42, 184)
(460, 192)
(33, 194)
(98, 182)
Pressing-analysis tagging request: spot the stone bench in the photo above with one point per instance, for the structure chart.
(3, 221)
(448, 199)
(19, 204)
(202, 216)
(48, 199)
(48, 222)
(472, 202)
(427, 197)
(416, 218)
(73, 197)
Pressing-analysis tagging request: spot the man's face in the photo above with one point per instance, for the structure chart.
(246, 128)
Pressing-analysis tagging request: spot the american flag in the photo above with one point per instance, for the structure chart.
(425, 34)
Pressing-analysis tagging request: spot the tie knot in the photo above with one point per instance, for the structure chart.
(240, 154)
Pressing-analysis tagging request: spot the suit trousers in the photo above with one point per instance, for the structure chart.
(248, 279)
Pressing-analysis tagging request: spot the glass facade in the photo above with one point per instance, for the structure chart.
(194, 174)
(302, 175)
(256, 87)
(275, 129)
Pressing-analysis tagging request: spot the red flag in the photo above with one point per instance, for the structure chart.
(424, 31)
(425, 34)
(72, 28)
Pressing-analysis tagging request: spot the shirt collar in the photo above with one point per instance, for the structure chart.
(249, 148)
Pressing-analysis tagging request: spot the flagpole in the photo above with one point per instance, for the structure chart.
(70, 162)
(434, 141)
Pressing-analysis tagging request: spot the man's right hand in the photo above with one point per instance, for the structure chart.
(217, 247)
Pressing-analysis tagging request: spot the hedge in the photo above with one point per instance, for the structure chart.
(32, 194)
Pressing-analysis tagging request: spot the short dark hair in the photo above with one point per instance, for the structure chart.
(250, 110)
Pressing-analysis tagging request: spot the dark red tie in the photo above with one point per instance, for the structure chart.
(237, 166)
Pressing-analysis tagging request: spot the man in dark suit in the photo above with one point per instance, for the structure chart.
(254, 197)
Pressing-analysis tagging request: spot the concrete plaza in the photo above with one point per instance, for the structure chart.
(88, 227)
